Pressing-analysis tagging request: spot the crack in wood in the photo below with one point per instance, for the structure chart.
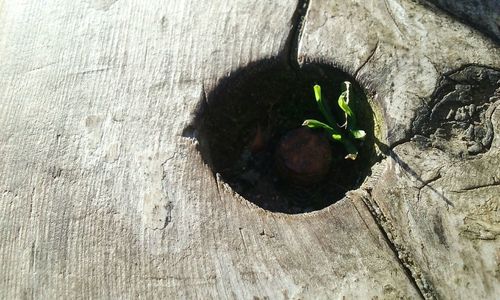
(169, 206)
(363, 219)
(405, 167)
(372, 52)
(391, 14)
(295, 34)
(480, 186)
(243, 239)
(103, 5)
(402, 256)
(32, 268)
(38, 68)
(91, 71)
(216, 180)
(426, 183)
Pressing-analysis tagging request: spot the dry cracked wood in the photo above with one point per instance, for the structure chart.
(396, 49)
(436, 82)
(102, 197)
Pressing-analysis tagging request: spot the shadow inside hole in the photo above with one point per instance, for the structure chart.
(242, 120)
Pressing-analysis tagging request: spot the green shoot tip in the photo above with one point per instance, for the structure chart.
(317, 92)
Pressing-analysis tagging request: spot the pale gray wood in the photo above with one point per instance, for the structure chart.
(482, 14)
(102, 197)
(396, 49)
(443, 218)
(439, 211)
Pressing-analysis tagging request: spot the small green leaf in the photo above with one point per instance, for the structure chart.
(318, 124)
(337, 137)
(323, 106)
(344, 106)
(317, 92)
(331, 128)
(358, 134)
(350, 123)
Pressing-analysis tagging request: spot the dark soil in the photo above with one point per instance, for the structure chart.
(244, 118)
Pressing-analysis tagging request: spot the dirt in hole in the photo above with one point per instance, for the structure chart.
(251, 113)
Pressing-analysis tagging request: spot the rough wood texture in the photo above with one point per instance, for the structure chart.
(484, 14)
(435, 195)
(396, 49)
(101, 196)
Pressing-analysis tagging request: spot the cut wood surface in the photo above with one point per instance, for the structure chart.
(482, 15)
(102, 196)
(437, 204)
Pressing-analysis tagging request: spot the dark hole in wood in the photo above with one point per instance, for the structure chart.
(241, 122)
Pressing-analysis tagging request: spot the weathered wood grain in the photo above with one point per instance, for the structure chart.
(102, 197)
(396, 49)
(439, 210)
(483, 15)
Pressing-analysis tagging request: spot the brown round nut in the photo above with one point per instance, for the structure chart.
(303, 156)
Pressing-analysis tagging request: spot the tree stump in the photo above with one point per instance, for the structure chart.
(109, 187)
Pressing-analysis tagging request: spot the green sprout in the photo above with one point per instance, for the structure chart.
(338, 133)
